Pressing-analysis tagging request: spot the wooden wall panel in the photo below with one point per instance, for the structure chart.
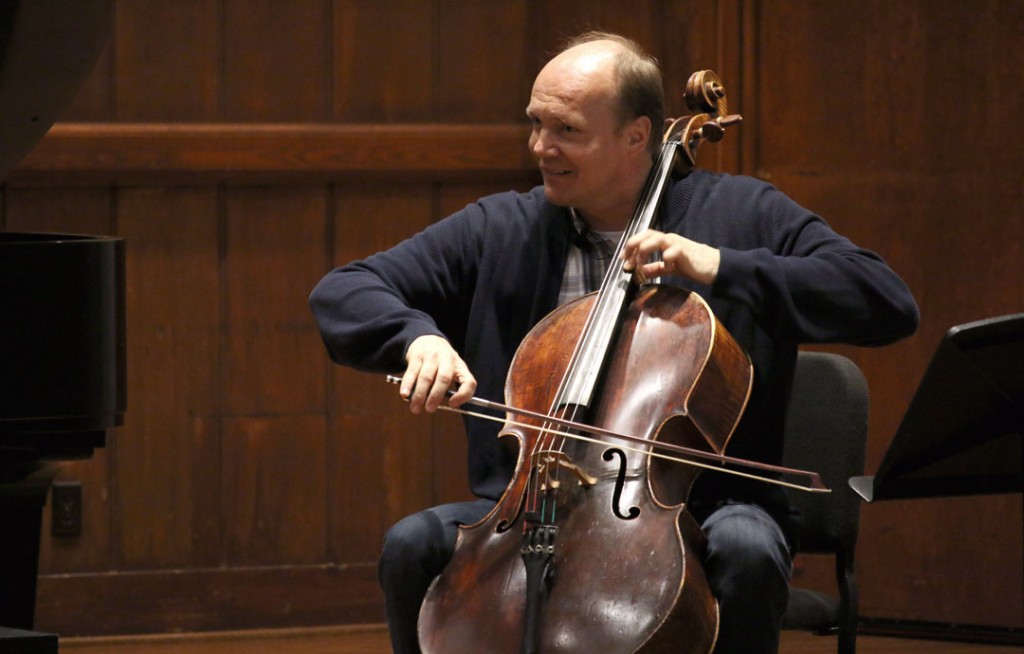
(69, 211)
(167, 61)
(168, 452)
(384, 61)
(275, 490)
(274, 431)
(555, 22)
(867, 115)
(276, 60)
(910, 87)
(245, 148)
(210, 153)
(273, 239)
(471, 89)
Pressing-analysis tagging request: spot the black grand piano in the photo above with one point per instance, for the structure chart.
(62, 383)
(62, 304)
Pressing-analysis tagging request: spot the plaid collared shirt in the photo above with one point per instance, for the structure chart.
(587, 260)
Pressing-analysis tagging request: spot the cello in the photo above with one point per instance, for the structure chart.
(590, 548)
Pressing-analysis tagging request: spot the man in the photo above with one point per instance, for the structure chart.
(450, 305)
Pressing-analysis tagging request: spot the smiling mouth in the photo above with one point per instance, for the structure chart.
(557, 173)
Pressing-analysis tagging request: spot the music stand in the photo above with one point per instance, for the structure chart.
(962, 432)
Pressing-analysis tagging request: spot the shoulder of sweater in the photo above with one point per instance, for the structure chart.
(500, 216)
(525, 208)
(532, 200)
(500, 206)
(702, 180)
(702, 187)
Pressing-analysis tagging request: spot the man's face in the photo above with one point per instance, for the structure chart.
(579, 142)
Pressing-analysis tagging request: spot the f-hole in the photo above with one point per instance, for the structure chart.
(620, 481)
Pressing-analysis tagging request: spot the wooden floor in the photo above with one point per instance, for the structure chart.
(373, 640)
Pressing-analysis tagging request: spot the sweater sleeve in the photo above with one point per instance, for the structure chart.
(369, 311)
(811, 284)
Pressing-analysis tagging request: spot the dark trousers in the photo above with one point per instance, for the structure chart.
(747, 567)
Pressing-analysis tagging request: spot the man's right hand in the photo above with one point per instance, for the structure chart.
(434, 367)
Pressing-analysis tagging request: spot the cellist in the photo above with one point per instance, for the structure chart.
(450, 304)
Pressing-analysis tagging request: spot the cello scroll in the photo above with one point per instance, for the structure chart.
(705, 94)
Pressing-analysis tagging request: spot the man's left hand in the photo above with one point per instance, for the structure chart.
(679, 256)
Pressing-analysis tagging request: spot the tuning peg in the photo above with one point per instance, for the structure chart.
(730, 120)
(714, 130)
(711, 131)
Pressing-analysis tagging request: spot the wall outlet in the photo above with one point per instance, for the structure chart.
(67, 509)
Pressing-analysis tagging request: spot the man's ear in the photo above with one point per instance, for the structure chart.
(639, 132)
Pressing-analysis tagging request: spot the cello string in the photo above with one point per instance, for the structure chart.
(535, 481)
(611, 296)
(570, 384)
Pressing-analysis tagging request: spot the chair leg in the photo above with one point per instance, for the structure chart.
(848, 602)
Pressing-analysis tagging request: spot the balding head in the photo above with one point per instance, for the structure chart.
(635, 76)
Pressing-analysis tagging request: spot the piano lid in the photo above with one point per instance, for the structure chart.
(47, 47)
(62, 325)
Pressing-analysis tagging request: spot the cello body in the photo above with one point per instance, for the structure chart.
(624, 573)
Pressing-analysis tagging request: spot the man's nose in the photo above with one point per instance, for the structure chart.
(538, 143)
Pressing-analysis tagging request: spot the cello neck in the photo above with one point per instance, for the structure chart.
(616, 289)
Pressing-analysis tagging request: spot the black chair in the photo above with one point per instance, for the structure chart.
(826, 431)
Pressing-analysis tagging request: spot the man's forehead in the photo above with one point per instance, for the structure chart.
(569, 106)
(564, 84)
(553, 99)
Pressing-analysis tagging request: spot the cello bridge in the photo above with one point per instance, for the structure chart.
(549, 464)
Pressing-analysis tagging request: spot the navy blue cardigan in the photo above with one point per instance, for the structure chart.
(485, 275)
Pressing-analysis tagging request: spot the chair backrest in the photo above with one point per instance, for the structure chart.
(826, 432)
